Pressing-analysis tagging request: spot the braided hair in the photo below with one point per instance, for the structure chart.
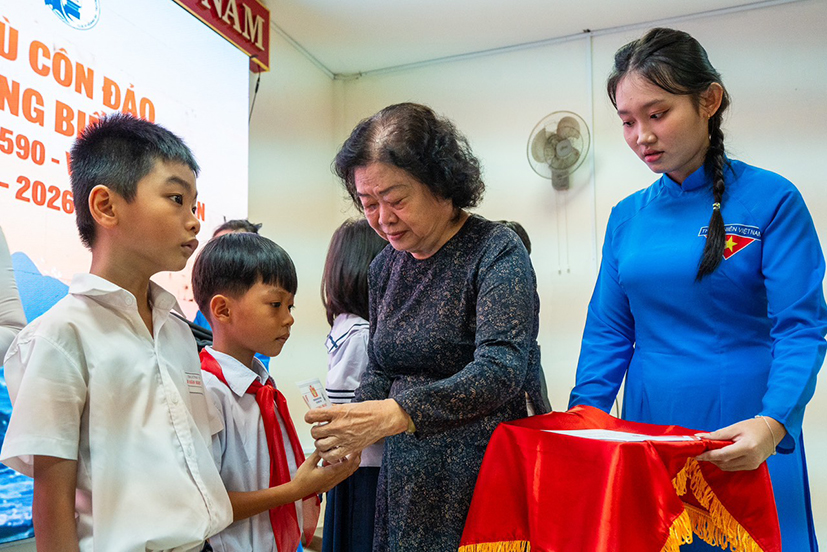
(677, 63)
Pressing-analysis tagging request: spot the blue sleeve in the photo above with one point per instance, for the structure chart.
(609, 336)
(201, 320)
(793, 269)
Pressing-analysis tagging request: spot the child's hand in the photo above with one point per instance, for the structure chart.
(315, 479)
(310, 480)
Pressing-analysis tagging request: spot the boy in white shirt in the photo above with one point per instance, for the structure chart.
(109, 413)
(245, 284)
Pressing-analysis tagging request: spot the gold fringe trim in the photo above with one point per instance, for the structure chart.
(679, 482)
(714, 525)
(501, 546)
(679, 533)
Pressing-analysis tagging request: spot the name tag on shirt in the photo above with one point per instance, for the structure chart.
(194, 383)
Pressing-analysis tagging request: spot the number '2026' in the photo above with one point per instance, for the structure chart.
(51, 197)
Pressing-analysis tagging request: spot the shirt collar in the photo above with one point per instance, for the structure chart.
(114, 296)
(238, 376)
(342, 325)
(694, 181)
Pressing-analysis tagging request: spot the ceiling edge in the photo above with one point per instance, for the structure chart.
(523, 46)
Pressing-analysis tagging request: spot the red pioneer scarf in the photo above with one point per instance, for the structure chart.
(283, 518)
(540, 491)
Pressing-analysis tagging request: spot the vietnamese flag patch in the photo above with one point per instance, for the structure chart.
(734, 244)
(738, 236)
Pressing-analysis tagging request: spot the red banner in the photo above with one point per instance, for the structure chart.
(245, 23)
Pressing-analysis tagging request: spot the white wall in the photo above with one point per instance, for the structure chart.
(772, 60)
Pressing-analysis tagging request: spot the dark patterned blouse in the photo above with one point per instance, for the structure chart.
(451, 337)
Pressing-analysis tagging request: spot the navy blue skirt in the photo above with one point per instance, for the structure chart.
(349, 513)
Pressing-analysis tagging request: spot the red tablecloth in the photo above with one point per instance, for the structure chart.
(549, 492)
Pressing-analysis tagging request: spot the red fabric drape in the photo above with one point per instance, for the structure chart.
(544, 491)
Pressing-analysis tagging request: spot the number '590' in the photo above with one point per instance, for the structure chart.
(22, 146)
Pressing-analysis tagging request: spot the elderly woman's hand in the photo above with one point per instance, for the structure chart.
(348, 428)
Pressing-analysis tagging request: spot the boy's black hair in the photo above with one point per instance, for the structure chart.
(117, 151)
(233, 263)
(237, 225)
(345, 280)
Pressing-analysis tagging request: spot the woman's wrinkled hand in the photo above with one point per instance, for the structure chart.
(345, 429)
(754, 442)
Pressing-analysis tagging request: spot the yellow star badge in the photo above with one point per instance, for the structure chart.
(734, 244)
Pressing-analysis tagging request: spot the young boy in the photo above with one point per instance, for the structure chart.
(109, 413)
(245, 284)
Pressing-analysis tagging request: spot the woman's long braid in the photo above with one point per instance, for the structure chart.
(716, 234)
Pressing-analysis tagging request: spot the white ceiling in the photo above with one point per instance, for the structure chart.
(356, 36)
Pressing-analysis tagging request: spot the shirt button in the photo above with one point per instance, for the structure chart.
(128, 301)
(174, 399)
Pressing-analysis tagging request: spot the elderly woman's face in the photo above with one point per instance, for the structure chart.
(403, 210)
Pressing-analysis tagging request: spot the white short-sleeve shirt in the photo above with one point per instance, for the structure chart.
(12, 317)
(347, 360)
(240, 451)
(89, 383)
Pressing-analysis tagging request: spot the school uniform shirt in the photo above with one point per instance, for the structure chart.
(12, 318)
(240, 451)
(347, 359)
(746, 340)
(89, 383)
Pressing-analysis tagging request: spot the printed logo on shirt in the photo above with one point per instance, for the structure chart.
(738, 236)
(194, 382)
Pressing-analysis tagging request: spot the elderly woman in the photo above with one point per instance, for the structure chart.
(453, 318)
